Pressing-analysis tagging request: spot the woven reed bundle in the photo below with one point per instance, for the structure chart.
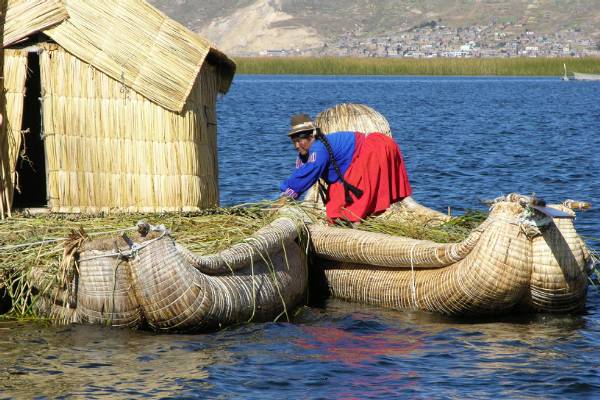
(355, 117)
(104, 294)
(560, 263)
(265, 241)
(503, 268)
(15, 73)
(182, 298)
(162, 285)
(378, 249)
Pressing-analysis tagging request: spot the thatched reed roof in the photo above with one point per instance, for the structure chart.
(129, 40)
(25, 17)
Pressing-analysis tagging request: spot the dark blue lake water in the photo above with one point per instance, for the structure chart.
(464, 140)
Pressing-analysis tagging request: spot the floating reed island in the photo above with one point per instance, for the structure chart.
(221, 267)
(240, 265)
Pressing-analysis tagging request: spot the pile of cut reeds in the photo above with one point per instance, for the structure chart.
(452, 231)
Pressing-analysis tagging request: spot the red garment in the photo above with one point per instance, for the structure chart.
(377, 169)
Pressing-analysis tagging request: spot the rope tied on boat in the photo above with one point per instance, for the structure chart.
(144, 228)
(413, 285)
(530, 221)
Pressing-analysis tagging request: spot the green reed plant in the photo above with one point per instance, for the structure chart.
(514, 66)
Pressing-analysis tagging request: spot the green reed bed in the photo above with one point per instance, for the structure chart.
(515, 66)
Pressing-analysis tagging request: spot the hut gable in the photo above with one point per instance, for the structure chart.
(144, 49)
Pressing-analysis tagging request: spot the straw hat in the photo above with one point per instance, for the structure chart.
(301, 123)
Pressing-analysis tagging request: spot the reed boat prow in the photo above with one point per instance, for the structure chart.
(580, 76)
(518, 259)
(154, 282)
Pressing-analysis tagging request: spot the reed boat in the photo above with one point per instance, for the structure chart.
(152, 282)
(524, 257)
(579, 76)
(517, 260)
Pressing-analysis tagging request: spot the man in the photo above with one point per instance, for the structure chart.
(365, 174)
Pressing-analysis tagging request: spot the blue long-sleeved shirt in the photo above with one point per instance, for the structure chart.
(317, 164)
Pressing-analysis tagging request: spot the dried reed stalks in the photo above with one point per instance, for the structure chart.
(355, 117)
(15, 73)
(110, 149)
(454, 230)
(24, 17)
(4, 164)
(145, 51)
(32, 248)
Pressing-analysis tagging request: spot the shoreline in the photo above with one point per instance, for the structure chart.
(516, 66)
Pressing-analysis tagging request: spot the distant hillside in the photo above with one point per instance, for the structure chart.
(252, 26)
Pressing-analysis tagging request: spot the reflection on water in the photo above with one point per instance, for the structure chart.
(343, 350)
(356, 346)
(86, 361)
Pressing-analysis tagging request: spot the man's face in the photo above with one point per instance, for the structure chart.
(302, 144)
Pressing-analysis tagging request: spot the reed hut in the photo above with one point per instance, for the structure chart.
(110, 106)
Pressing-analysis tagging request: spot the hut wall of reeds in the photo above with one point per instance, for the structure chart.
(4, 169)
(128, 120)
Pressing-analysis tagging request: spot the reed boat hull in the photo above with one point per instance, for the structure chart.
(162, 286)
(508, 264)
(578, 76)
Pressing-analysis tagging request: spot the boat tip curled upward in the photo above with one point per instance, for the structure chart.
(577, 204)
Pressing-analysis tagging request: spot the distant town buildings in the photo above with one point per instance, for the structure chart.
(434, 39)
